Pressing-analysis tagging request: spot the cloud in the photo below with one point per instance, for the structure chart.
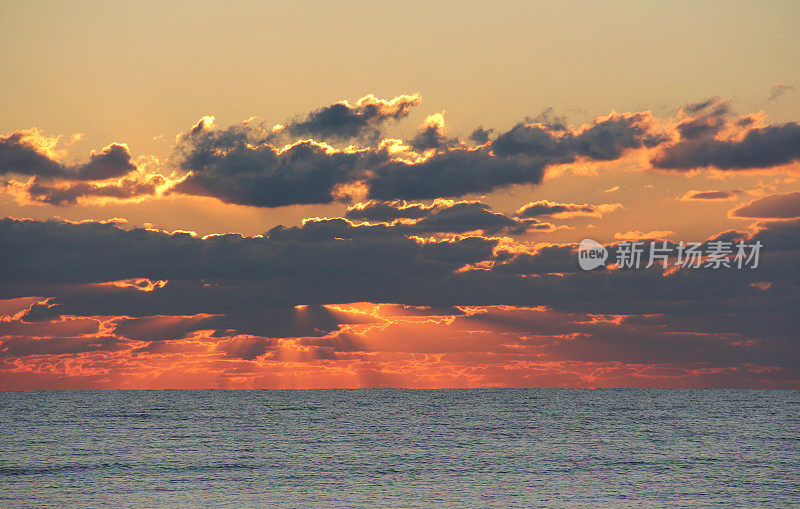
(604, 140)
(760, 148)
(620, 338)
(387, 211)
(162, 328)
(710, 139)
(443, 216)
(710, 195)
(111, 162)
(265, 176)
(470, 216)
(452, 173)
(227, 165)
(518, 156)
(779, 206)
(705, 118)
(431, 134)
(343, 121)
(243, 164)
(321, 261)
(329, 261)
(706, 104)
(30, 153)
(565, 210)
(480, 135)
(24, 346)
(777, 90)
(36, 191)
(520, 305)
(289, 164)
(246, 348)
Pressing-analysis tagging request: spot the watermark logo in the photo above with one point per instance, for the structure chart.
(693, 255)
(591, 254)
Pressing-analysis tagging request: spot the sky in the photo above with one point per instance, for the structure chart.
(315, 195)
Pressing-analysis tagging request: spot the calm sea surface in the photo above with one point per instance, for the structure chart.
(400, 448)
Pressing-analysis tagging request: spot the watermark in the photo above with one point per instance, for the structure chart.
(591, 254)
(716, 254)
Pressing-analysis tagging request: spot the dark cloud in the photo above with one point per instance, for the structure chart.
(480, 135)
(162, 328)
(700, 127)
(49, 328)
(468, 216)
(712, 104)
(26, 345)
(604, 141)
(777, 90)
(743, 147)
(762, 147)
(112, 162)
(320, 262)
(19, 155)
(387, 211)
(344, 121)
(300, 265)
(253, 286)
(711, 195)
(549, 119)
(455, 172)
(703, 119)
(24, 153)
(556, 209)
(443, 216)
(547, 260)
(243, 165)
(245, 348)
(774, 206)
(432, 135)
(630, 339)
(41, 312)
(60, 194)
(265, 176)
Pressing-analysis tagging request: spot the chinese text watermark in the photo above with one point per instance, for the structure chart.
(715, 254)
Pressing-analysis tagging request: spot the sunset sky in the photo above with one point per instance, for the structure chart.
(318, 195)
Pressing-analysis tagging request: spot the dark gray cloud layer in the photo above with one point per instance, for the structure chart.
(330, 261)
(251, 285)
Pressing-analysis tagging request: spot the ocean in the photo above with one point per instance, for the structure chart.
(400, 448)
